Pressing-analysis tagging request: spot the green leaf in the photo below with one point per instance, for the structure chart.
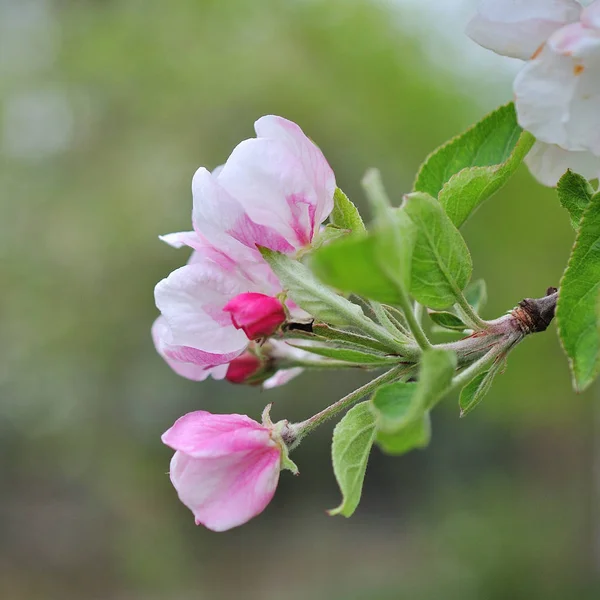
(348, 354)
(473, 393)
(395, 244)
(351, 265)
(308, 293)
(415, 435)
(345, 214)
(476, 294)
(353, 438)
(399, 404)
(394, 232)
(577, 309)
(327, 235)
(574, 194)
(447, 320)
(441, 263)
(473, 166)
(341, 336)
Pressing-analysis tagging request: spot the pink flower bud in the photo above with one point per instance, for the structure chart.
(225, 468)
(243, 368)
(257, 315)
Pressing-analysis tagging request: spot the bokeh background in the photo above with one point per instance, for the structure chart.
(107, 107)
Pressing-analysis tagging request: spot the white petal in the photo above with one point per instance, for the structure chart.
(557, 95)
(223, 221)
(192, 299)
(518, 28)
(316, 167)
(203, 365)
(548, 163)
(590, 17)
(268, 180)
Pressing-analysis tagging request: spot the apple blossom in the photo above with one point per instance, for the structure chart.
(225, 468)
(557, 93)
(275, 190)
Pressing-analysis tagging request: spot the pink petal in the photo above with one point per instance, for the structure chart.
(282, 377)
(203, 249)
(188, 362)
(205, 435)
(223, 220)
(269, 181)
(518, 28)
(226, 491)
(192, 298)
(315, 165)
(257, 315)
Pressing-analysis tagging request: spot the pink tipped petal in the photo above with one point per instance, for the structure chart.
(188, 362)
(228, 491)
(315, 165)
(548, 163)
(204, 435)
(518, 28)
(557, 95)
(223, 220)
(181, 239)
(192, 298)
(282, 377)
(269, 182)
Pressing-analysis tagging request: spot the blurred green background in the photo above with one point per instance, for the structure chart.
(108, 107)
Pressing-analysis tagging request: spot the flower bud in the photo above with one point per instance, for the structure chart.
(225, 467)
(247, 368)
(257, 315)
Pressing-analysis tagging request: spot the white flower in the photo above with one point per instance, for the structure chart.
(557, 93)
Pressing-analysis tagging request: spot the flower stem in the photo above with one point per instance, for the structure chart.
(480, 365)
(412, 321)
(300, 430)
(471, 318)
(385, 320)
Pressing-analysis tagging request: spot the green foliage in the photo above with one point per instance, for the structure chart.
(476, 294)
(441, 263)
(348, 355)
(400, 404)
(345, 215)
(345, 337)
(473, 393)
(308, 293)
(577, 309)
(470, 168)
(351, 265)
(353, 438)
(395, 243)
(447, 320)
(414, 435)
(574, 193)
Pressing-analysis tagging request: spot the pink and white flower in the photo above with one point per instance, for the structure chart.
(557, 93)
(225, 468)
(275, 190)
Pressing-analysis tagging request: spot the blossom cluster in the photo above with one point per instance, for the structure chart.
(557, 92)
(224, 313)
(218, 310)
(274, 191)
